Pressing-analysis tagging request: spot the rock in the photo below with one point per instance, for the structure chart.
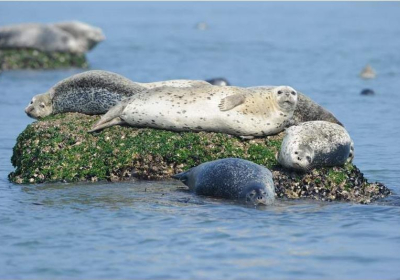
(58, 148)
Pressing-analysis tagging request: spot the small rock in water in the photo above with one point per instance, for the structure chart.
(367, 91)
(368, 72)
(218, 82)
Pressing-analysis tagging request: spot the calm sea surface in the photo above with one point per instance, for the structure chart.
(150, 230)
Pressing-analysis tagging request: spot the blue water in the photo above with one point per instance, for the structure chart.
(149, 230)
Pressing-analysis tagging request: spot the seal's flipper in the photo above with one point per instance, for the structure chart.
(183, 177)
(112, 117)
(103, 125)
(231, 102)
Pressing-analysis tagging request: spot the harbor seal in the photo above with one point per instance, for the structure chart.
(367, 91)
(315, 144)
(308, 110)
(74, 37)
(231, 110)
(87, 36)
(90, 92)
(218, 82)
(231, 178)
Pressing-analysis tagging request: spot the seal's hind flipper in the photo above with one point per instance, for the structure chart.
(112, 117)
(183, 177)
(103, 125)
(231, 102)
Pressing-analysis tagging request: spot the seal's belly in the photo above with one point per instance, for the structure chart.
(201, 115)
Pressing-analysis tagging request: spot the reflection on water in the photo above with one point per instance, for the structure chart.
(161, 230)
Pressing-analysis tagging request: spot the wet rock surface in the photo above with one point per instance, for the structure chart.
(59, 148)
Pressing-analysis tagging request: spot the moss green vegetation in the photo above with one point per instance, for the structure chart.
(33, 59)
(58, 148)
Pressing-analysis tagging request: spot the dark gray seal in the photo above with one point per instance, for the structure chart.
(91, 93)
(231, 178)
(367, 91)
(218, 82)
(315, 144)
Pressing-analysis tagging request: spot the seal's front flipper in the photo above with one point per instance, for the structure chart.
(231, 102)
(112, 117)
(183, 177)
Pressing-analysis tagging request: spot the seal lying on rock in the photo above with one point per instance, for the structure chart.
(315, 144)
(74, 37)
(308, 110)
(231, 178)
(232, 110)
(92, 93)
(218, 82)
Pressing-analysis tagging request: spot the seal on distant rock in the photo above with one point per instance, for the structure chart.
(173, 83)
(86, 35)
(74, 37)
(315, 144)
(232, 110)
(218, 82)
(231, 178)
(91, 93)
(308, 110)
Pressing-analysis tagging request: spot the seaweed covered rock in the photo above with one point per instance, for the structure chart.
(58, 148)
(13, 59)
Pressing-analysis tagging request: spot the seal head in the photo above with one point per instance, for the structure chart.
(40, 106)
(286, 97)
(254, 194)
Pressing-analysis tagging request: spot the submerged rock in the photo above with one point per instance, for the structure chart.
(59, 148)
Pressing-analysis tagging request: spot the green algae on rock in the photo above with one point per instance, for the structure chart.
(12, 59)
(58, 148)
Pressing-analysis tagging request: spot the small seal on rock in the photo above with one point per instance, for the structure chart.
(232, 110)
(218, 82)
(368, 72)
(231, 178)
(74, 37)
(91, 93)
(315, 144)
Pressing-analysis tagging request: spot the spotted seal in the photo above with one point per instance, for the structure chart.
(315, 144)
(74, 37)
(231, 178)
(218, 82)
(231, 110)
(308, 110)
(92, 92)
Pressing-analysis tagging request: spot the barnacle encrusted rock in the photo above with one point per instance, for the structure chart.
(13, 59)
(58, 148)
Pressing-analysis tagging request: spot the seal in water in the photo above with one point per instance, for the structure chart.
(315, 144)
(232, 110)
(367, 91)
(92, 92)
(308, 110)
(231, 178)
(218, 82)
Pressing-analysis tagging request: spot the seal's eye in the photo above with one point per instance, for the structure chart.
(308, 158)
(31, 102)
(41, 105)
(295, 153)
(293, 93)
(279, 92)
